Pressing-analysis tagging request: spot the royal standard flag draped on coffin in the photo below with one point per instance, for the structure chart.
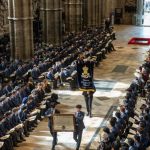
(85, 75)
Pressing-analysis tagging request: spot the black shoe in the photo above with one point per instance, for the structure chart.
(27, 134)
(57, 103)
(15, 145)
(53, 147)
(87, 114)
(19, 141)
(77, 148)
(23, 139)
(90, 115)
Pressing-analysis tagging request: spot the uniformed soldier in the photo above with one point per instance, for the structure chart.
(85, 94)
(79, 116)
(8, 145)
(88, 100)
(35, 73)
(49, 113)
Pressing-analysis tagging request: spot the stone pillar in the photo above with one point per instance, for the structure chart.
(90, 12)
(85, 13)
(139, 18)
(103, 12)
(73, 15)
(98, 13)
(106, 10)
(21, 28)
(114, 6)
(51, 15)
(94, 13)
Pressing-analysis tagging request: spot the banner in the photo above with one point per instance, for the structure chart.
(85, 75)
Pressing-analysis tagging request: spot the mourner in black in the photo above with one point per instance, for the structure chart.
(79, 116)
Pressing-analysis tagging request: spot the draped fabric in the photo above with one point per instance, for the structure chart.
(85, 75)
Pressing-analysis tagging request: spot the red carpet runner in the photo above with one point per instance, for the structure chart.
(140, 41)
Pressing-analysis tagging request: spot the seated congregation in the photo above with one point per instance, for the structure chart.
(25, 87)
(129, 127)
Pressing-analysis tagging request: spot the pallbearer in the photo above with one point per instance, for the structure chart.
(49, 113)
(79, 116)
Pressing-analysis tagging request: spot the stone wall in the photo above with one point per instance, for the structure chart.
(107, 6)
(4, 17)
(127, 16)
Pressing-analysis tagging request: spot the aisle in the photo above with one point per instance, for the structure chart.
(112, 78)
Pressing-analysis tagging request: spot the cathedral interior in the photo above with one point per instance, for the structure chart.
(43, 44)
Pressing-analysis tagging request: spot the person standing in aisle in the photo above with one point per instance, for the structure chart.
(79, 116)
(88, 96)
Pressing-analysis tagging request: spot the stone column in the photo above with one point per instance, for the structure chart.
(114, 6)
(21, 28)
(103, 12)
(139, 18)
(94, 13)
(98, 13)
(73, 15)
(85, 13)
(51, 15)
(108, 8)
(90, 13)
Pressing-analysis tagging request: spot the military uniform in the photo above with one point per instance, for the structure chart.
(49, 114)
(88, 100)
(79, 116)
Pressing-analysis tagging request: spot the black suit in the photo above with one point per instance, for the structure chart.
(79, 116)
